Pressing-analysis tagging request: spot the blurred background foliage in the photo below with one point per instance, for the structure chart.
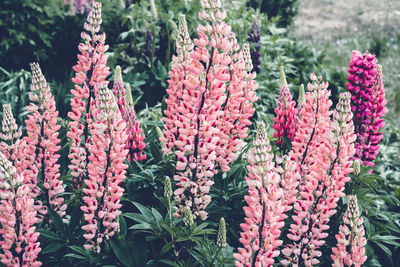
(142, 40)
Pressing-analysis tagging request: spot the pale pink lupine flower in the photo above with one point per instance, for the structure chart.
(106, 170)
(90, 69)
(10, 133)
(42, 143)
(264, 211)
(210, 96)
(17, 217)
(350, 250)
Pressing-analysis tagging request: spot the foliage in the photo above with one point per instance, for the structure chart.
(284, 10)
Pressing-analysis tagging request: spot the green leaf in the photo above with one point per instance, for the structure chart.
(138, 217)
(388, 239)
(53, 247)
(170, 263)
(166, 248)
(50, 235)
(122, 252)
(60, 226)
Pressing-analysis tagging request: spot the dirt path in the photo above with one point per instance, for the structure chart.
(326, 20)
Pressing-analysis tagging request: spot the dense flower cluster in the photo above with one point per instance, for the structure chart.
(368, 104)
(350, 249)
(106, 170)
(90, 70)
(41, 145)
(265, 208)
(135, 142)
(285, 119)
(255, 46)
(310, 180)
(17, 217)
(210, 96)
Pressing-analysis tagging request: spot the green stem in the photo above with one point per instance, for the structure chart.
(215, 256)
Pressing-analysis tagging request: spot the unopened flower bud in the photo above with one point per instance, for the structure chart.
(221, 238)
(356, 167)
(167, 188)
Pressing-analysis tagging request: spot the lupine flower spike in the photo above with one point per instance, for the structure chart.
(284, 121)
(255, 46)
(264, 211)
(119, 90)
(17, 217)
(106, 170)
(350, 250)
(42, 144)
(368, 104)
(10, 133)
(90, 70)
(323, 149)
(210, 96)
(135, 142)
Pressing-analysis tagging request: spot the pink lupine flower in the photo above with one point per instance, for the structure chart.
(17, 217)
(41, 144)
(119, 90)
(264, 211)
(106, 170)
(284, 121)
(135, 142)
(368, 104)
(210, 96)
(90, 69)
(350, 249)
(323, 149)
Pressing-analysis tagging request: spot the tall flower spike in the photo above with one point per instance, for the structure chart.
(311, 149)
(209, 105)
(17, 217)
(255, 43)
(361, 84)
(350, 250)
(264, 211)
(106, 171)
(42, 143)
(378, 110)
(10, 133)
(90, 70)
(119, 90)
(284, 121)
(324, 163)
(135, 142)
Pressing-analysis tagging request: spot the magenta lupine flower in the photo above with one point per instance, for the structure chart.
(210, 96)
(135, 142)
(90, 70)
(264, 211)
(323, 149)
(106, 170)
(17, 217)
(43, 143)
(368, 104)
(285, 119)
(350, 250)
(378, 110)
